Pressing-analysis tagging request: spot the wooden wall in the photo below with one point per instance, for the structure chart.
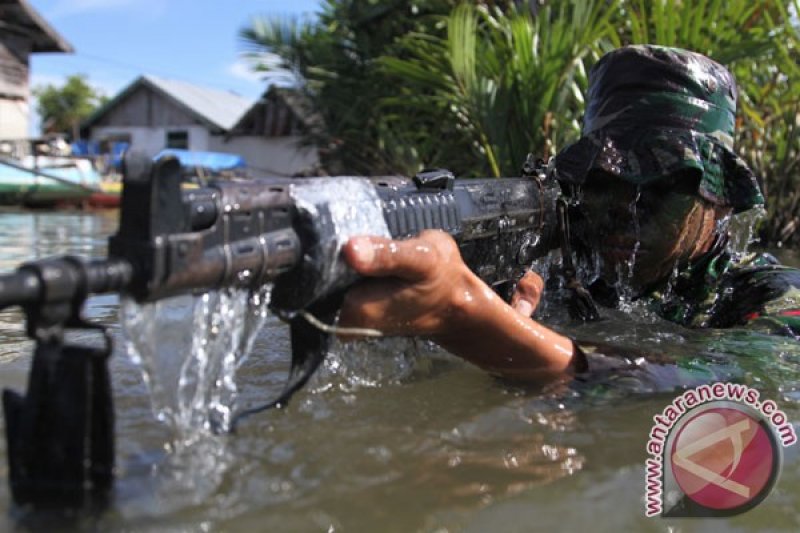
(14, 90)
(271, 117)
(145, 107)
(14, 52)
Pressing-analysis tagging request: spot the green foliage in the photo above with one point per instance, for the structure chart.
(475, 86)
(64, 108)
(334, 59)
(769, 133)
(728, 31)
(510, 82)
(769, 139)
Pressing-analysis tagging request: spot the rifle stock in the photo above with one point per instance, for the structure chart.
(232, 233)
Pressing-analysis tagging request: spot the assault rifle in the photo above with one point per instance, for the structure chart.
(232, 233)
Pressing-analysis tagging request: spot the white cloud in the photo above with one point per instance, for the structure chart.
(241, 69)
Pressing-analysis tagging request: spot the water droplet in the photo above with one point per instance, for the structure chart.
(742, 229)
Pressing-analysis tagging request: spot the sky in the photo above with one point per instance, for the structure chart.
(116, 41)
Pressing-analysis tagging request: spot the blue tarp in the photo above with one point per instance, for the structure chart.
(214, 161)
(84, 148)
(118, 150)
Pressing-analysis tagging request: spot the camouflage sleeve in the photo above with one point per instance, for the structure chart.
(619, 371)
(763, 298)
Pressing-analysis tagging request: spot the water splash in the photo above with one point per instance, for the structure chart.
(625, 270)
(743, 229)
(189, 349)
(369, 363)
(669, 289)
(545, 266)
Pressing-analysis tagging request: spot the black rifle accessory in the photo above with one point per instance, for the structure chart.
(60, 434)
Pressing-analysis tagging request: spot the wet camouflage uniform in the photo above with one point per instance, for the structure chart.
(654, 112)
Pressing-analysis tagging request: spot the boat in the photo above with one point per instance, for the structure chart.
(201, 167)
(197, 169)
(47, 181)
(109, 195)
(37, 181)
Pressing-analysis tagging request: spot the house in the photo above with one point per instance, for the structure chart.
(279, 116)
(154, 113)
(22, 32)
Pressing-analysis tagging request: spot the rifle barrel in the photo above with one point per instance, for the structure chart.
(62, 279)
(18, 288)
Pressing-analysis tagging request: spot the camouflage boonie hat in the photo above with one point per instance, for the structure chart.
(653, 111)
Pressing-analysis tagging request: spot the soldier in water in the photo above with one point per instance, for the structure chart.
(656, 180)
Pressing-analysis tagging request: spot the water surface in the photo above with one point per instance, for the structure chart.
(397, 436)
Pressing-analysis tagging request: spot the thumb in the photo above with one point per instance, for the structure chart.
(411, 259)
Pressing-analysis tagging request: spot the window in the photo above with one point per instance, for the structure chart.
(178, 139)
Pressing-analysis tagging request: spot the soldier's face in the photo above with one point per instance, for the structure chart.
(642, 233)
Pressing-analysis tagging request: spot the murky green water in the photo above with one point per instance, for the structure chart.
(397, 437)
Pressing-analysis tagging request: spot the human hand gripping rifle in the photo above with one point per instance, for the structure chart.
(232, 233)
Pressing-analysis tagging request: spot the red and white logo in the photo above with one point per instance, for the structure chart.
(724, 458)
(715, 451)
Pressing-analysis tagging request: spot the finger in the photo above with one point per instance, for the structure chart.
(412, 259)
(527, 294)
(524, 307)
(530, 285)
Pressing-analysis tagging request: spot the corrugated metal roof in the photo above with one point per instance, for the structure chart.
(18, 16)
(222, 108)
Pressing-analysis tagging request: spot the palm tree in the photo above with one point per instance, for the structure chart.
(509, 82)
(333, 61)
